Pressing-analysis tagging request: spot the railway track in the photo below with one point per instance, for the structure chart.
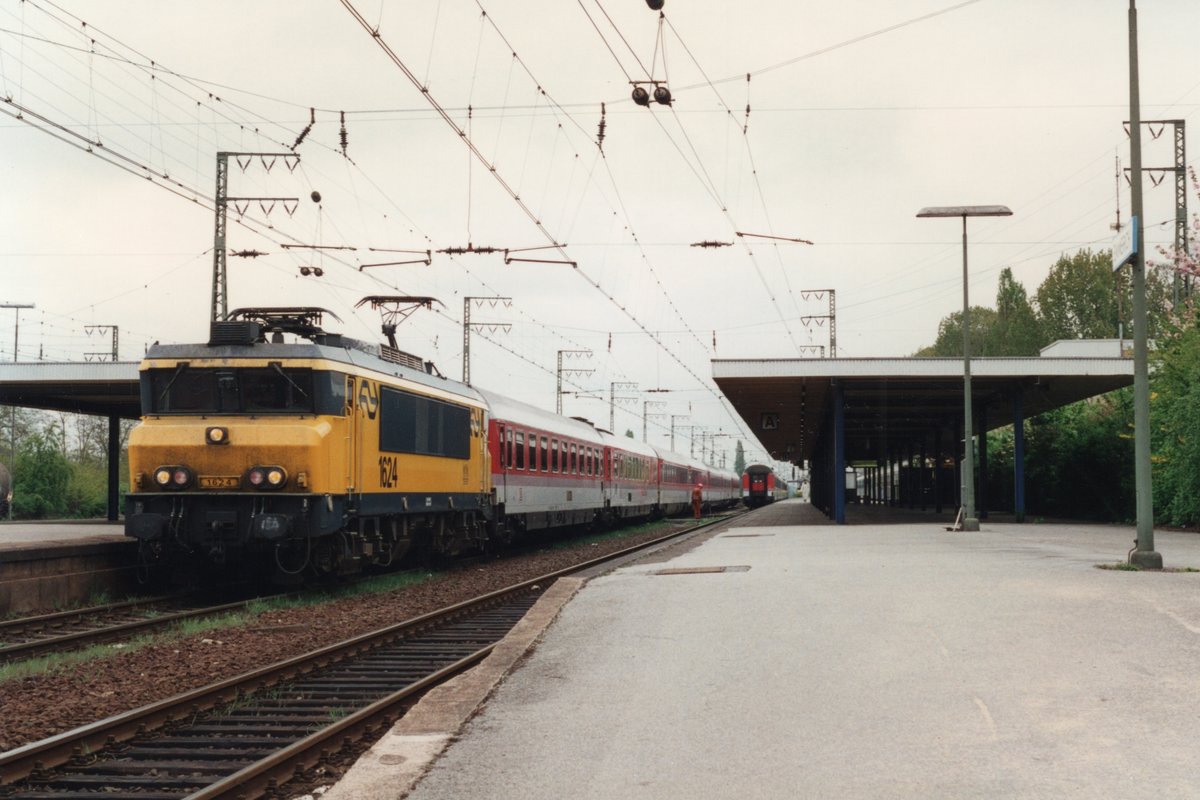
(248, 735)
(28, 637)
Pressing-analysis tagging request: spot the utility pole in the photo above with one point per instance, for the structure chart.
(103, 329)
(221, 201)
(558, 393)
(467, 326)
(711, 450)
(1144, 554)
(12, 410)
(646, 415)
(831, 316)
(1181, 285)
(673, 418)
(16, 307)
(612, 400)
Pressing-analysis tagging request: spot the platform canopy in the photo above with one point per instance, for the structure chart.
(785, 402)
(104, 388)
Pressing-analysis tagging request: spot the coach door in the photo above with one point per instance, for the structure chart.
(354, 428)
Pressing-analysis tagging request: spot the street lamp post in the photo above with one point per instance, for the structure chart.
(970, 522)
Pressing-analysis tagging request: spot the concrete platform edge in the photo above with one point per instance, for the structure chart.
(394, 765)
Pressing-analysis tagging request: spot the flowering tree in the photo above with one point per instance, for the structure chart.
(1175, 396)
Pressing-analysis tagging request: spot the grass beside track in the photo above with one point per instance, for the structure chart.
(378, 584)
(53, 662)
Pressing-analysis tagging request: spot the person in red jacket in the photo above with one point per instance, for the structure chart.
(697, 499)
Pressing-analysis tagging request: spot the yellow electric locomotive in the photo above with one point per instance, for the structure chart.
(318, 455)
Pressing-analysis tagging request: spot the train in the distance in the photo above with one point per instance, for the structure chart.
(323, 455)
(760, 485)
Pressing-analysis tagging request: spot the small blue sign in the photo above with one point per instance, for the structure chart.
(1125, 246)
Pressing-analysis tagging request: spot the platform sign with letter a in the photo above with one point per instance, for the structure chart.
(1125, 246)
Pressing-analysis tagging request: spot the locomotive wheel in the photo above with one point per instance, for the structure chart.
(324, 557)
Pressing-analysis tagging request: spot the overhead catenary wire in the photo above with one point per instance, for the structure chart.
(191, 193)
(513, 194)
(696, 165)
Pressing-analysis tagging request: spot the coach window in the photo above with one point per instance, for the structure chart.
(503, 450)
(554, 455)
(520, 460)
(508, 447)
(545, 454)
(574, 459)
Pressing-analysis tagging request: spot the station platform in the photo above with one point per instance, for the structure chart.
(785, 657)
(56, 564)
(30, 535)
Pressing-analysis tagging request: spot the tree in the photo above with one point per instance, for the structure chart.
(15, 425)
(1017, 331)
(1175, 392)
(629, 433)
(949, 339)
(739, 458)
(1082, 298)
(41, 476)
(1176, 427)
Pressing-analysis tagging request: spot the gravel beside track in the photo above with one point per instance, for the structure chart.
(40, 706)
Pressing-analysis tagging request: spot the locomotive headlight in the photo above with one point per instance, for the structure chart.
(266, 477)
(216, 435)
(173, 477)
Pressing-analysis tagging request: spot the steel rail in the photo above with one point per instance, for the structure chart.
(41, 756)
(22, 650)
(279, 767)
(77, 614)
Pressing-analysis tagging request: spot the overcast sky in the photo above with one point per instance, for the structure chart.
(861, 113)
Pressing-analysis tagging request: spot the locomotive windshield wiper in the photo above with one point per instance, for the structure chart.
(179, 370)
(275, 366)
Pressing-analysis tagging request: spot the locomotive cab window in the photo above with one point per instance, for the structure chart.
(274, 389)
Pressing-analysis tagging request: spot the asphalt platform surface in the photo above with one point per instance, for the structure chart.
(27, 535)
(869, 660)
